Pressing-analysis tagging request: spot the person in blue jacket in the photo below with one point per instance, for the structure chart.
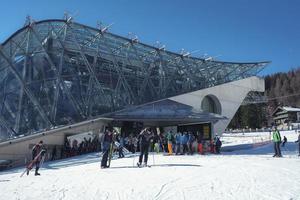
(191, 139)
(184, 141)
(177, 141)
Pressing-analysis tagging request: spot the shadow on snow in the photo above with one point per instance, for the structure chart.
(160, 165)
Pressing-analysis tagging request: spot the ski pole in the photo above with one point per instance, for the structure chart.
(153, 158)
(42, 161)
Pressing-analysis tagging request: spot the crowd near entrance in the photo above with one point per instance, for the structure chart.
(183, 139)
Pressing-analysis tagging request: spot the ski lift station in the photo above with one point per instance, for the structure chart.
(59, 78)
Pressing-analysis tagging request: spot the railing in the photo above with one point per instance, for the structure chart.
(249, 130)
(246, 141)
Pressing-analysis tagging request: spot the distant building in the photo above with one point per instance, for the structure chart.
(286, 115)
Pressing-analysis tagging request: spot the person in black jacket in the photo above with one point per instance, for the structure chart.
(284, 141)
(145, 138)
(53, 154)
(218, 145)
(120, 140)
(107, 139)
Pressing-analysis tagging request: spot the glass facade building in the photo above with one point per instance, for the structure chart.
(57, 72)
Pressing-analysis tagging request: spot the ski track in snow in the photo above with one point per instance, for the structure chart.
(245, 174)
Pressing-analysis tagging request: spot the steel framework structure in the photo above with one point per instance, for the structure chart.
(55, 72)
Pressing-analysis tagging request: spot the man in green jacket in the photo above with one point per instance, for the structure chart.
(277, 141)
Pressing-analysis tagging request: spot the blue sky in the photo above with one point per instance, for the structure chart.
(233, 30)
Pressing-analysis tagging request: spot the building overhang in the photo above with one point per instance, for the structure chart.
(164, 112)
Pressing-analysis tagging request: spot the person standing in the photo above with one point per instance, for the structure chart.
(200, 145)
(145, 138)
(38, 151)
(182, 143)
(191, 139)
(156, 143)
(218, 145)
(177, 141)
(170, 140)
(185, 143)
(277, 141)
(120, 139)
(284, 141)
(53, 154)
(106, 145)
(298, 141)
(131, 143)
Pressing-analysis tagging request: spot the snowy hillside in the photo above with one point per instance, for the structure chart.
(248, 174)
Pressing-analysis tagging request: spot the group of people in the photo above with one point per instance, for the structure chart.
(189, 143)
(277, 140)
(130, 142)
(107, 143)
(148, 139)
(73, 148)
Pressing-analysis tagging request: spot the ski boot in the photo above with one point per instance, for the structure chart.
(36, 172)
(139, 164)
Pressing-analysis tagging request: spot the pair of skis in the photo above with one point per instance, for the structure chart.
(33, 162)
(142, 165)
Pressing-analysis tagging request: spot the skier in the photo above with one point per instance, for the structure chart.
(277, 141)
(298, 143)
(107, 140)
(284, 141)
(144, 140)
(38, 152)
(218, 145)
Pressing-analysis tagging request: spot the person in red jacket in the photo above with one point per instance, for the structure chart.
(38, 152)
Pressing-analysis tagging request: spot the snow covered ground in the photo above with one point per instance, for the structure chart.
(246, 174)
(229, 139)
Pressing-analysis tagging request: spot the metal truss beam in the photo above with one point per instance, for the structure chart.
(89, 67)
(57, 72)
(26, 89)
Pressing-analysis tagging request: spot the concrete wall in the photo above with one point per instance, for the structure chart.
(19, 150)
(230, 95)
